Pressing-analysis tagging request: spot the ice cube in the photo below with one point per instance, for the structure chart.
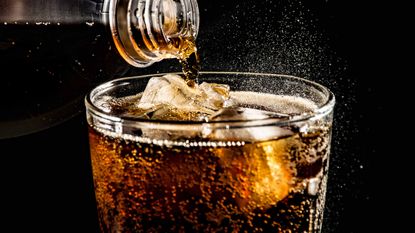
(246, 133)
(169, 97)
(239, 114)
(282, 104)
(259, 175)
(119, 106)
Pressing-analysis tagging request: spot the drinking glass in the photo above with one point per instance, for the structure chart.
(260, 166)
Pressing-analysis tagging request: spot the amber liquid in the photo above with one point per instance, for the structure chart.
(210, 186)
(190, 60)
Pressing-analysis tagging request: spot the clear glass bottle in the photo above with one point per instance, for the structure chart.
(53, 51)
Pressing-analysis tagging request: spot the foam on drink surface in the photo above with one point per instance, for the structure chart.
(169, 97)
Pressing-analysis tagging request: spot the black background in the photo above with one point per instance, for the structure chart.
(46, 180)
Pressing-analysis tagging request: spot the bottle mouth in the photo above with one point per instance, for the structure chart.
(147, 31)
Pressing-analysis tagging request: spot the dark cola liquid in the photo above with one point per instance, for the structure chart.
(210, 186)
(47, 68)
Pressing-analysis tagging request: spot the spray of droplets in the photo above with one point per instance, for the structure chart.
(290, 37)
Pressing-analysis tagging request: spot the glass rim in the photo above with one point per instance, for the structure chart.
(318, 113)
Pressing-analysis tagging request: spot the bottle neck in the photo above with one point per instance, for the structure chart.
(147, 31)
